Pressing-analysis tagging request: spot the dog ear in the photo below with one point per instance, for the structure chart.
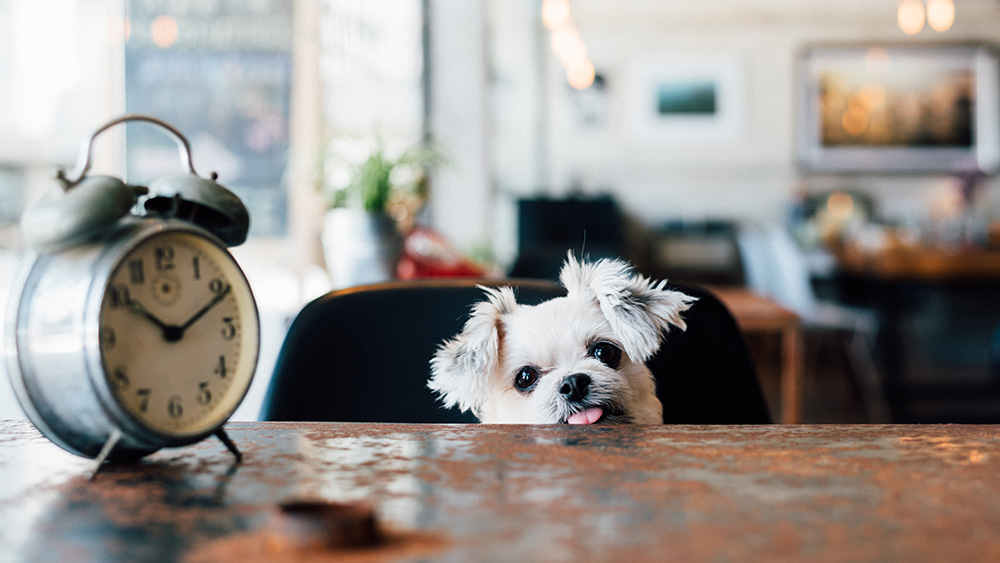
(638, 310)
(461, 367)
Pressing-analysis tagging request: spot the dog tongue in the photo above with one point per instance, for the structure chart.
(588, 416)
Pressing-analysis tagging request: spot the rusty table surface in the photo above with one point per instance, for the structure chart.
(521, 493)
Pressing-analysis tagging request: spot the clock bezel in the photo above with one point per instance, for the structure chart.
(251, 338)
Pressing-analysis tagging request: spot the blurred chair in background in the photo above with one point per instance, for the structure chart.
(363, 355)
(697, 252)
(592, 227)
(775, 265)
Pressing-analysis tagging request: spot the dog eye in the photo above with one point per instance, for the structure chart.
(607, 353)
(526, 379)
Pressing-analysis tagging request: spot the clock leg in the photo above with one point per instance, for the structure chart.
(230, 445)
(106, 450)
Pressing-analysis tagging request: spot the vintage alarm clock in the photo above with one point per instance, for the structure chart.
(131, 327)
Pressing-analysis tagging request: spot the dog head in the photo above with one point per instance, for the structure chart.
(577, 359)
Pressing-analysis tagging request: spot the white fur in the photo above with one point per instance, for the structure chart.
(605, 301)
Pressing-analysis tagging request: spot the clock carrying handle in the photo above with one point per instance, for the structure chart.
(83, 161)
(86, 206)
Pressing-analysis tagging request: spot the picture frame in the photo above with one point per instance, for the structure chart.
(899, 109)
(685, 98)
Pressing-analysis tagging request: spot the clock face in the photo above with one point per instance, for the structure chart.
(178, 333)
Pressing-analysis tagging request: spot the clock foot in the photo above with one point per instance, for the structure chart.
(106, 450)
(230, 445)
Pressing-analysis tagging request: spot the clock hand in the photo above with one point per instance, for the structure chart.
(142, 311)
(171, 333)
(215, 301)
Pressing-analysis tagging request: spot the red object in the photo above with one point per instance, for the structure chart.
(426, 254)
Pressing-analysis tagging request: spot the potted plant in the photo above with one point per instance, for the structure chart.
(373, 190)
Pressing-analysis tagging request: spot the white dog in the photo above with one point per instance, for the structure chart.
(577, 359)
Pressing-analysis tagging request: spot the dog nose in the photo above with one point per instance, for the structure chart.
(575, 387)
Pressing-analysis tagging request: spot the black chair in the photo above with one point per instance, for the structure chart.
(547, 227)
(363, 355)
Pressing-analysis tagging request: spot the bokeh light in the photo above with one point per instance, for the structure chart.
(910, 14)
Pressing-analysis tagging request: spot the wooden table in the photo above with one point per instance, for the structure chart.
(755, 313)
(925, 264)
(938, 310)
(521, 493)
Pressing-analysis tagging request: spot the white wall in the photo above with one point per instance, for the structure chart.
(538, 147)
(462, 190)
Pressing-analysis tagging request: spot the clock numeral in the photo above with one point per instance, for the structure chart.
(121, 380)
(229, 330)
(120, 296)
(108, 337)
(174, 407)
(164, 258)
(204, 393)
(217, 286)
(196, 265)
(221, 370)
(143, 395)
(135, 271)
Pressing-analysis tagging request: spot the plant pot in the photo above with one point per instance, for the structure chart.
(360, 247)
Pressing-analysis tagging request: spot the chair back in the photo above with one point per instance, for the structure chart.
(774, 265)
(363, 355)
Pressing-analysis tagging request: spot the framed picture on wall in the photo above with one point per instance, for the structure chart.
(685, 98)
(898, 109)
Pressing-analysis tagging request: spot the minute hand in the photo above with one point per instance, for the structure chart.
(208, 306)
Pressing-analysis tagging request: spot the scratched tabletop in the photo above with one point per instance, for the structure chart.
(518, 493)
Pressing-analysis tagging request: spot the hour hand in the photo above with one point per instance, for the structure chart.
(142, 311)
(171, 333)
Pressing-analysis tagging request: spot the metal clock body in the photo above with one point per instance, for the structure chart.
(131, 327)
(151, 333)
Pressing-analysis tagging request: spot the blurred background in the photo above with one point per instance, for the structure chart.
(838, 158)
